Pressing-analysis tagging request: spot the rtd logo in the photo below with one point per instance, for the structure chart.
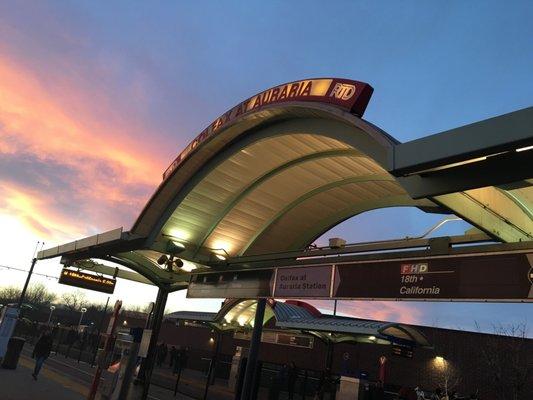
(343, 91)
(407, 269)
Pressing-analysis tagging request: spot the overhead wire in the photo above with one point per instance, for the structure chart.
(26, 271)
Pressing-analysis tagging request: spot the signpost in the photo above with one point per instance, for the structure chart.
(471, 277)
(86, 280)
(104, 357)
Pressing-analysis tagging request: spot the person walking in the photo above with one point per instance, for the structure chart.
(161, 354)
(177, 360)
(41, 352)
(172, 358)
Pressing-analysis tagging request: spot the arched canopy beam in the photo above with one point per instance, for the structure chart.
(268, 175)
(307, 196)
(356, 209)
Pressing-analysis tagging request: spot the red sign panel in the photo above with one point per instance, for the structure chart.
(496, 277)
(352, 96)
(483, 277)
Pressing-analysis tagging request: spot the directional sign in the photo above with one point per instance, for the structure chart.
(482, 277)
(231, 284)
(85, 280)
(303, 282)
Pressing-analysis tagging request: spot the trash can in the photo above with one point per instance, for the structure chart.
(14, 348)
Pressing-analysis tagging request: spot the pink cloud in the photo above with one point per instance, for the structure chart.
(100, 169)
(376, 310)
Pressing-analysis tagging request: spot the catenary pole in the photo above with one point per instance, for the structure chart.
(253, 354)
(157, 319)
(33, 262)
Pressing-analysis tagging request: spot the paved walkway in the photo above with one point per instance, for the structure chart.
(18, 384)
(61, 379)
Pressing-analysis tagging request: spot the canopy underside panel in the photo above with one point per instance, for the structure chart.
(277, 190)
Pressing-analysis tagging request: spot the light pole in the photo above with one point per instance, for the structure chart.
(83, 311)
(52, 308)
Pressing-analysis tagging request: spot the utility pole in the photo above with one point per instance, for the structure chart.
(33, 262)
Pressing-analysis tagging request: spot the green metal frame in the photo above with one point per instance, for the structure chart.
(268, 175)
(327, 224)
(483, 216)
(518, 201)
(312, 193)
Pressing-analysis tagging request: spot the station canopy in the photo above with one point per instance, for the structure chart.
(283, 167)
(299, 316)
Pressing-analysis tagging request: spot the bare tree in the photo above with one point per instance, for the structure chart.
(507, 357)
(75, 300)
(449, 376)
(36, 295)
(9, 294)
(448, 372)
(39, 295)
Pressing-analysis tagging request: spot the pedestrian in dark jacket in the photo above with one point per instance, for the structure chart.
(41, 352)
(172, 358)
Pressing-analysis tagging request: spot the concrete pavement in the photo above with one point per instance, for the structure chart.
(60, 379)
(18, 384)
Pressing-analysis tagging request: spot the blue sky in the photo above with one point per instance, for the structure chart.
(97, 98)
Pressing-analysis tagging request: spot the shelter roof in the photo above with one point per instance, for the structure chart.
(275, 172)
(297, 316)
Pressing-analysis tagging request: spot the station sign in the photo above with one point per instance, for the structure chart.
(286, 339)
(303, 282)
(351, 96)
(480, 277)
(86, 280)
(402, 350)
(240, 284)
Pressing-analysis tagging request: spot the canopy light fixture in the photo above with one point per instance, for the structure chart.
(524, 149)
(218, 255)
(175, 247)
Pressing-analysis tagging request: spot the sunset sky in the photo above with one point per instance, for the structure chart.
(96, 99)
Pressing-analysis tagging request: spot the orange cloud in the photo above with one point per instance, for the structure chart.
(37, 212)
(100, 169)
(41, 126)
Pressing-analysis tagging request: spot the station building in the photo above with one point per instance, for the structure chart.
(492, 365)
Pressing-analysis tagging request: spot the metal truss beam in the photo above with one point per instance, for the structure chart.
(491, 211)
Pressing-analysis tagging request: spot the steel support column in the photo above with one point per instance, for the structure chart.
(23, 293)
(253, 354)
(159, 311)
